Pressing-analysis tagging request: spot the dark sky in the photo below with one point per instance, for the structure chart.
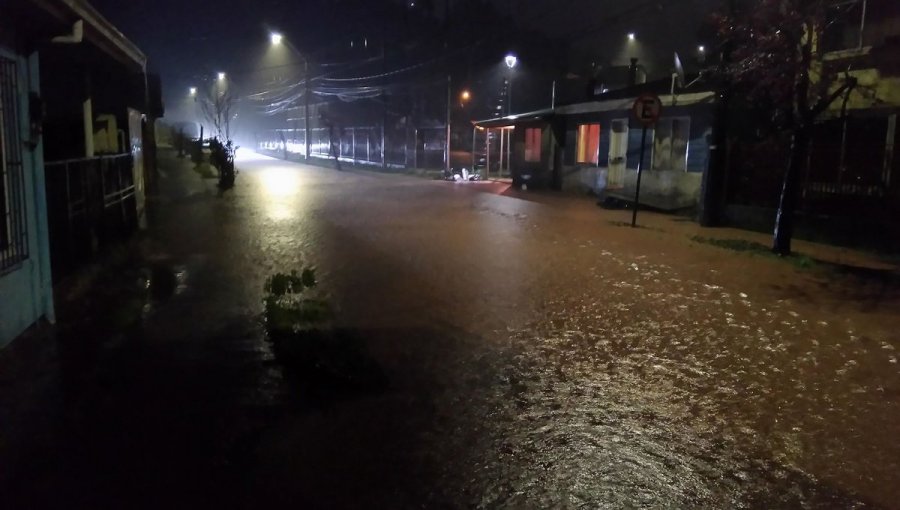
(186, 38)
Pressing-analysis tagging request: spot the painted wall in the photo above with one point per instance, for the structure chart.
(662, 188)
(26, 293)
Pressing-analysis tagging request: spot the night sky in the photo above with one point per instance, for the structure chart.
(184, 38)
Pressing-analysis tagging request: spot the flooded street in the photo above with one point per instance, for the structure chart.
(538, 355)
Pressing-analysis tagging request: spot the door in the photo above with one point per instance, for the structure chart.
(618, 147)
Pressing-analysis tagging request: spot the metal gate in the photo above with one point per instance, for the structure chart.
(13, 231)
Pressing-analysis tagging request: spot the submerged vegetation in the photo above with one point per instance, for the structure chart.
(298, 323)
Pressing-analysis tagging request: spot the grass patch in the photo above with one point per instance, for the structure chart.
(754, 248)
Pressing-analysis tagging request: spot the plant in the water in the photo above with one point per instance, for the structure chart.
(221, 156)
(297, 322)
(289, 307)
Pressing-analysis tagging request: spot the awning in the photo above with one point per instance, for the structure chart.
(97, 30)
(512, 120)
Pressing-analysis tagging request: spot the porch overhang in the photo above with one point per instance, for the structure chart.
(511, 120)
(98, 31)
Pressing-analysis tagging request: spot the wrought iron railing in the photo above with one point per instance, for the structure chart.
(91, 201)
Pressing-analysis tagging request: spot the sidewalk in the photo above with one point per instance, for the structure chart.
(107, 407)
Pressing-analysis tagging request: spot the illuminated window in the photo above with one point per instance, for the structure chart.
(588, 144)
(533, 145)
(670, 144)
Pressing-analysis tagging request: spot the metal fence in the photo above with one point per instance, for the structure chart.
(91, 202)
(13, 228)
(413, 148)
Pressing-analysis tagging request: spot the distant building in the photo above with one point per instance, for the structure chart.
(594, 146)
(850, 189)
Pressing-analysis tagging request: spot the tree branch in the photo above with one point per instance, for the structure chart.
(820, 106)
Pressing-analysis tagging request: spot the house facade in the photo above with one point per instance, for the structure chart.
(595, 147)
(76, 148)
(850, 188)
(26, 293)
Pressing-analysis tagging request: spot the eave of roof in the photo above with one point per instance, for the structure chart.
(98, 30)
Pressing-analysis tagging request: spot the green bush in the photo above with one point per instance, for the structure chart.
(297, 325)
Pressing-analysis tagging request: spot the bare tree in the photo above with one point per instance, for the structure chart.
(776, 64)
(218, 108)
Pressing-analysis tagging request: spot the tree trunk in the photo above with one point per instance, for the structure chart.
(802, 115)
(784, 220)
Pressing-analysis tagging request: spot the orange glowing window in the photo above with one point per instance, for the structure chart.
(588, 144)
(533, 145)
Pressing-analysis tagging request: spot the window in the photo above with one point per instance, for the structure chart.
(844, 24)
(533, 145)
(12, 221)
(588, 143)
(670, 144)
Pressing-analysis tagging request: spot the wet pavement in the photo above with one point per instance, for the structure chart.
(538, 355)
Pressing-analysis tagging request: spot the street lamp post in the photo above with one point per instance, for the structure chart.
(277, 39)
(447, 145)
(511, 61)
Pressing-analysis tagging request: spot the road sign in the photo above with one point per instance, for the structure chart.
(647, 108)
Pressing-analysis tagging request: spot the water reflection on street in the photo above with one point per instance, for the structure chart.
(538, 355)
(604, 366)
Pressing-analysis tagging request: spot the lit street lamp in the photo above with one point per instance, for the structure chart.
(701, 48)
(277, 39)
(192, 91)
(221, 76)
(511, 62)
(465, 96)
(630, 36)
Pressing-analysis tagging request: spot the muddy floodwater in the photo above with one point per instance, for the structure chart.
(538, 355)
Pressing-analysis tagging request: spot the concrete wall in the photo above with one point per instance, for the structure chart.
(26, 293)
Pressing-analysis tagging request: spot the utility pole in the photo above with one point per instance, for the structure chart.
(447, 145)
(553, 96)
(383, 97)
(306, 107)
(712, 186)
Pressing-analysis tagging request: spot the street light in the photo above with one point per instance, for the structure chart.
(465, 96)
(277, 39)
(221, 76)
(701, 48)
(630, 36)
(192, 91)
(511, 61)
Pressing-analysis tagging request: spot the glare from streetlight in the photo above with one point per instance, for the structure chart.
(465, 95)
(511, 61)
(701, 48)
(221, 76)
(193, 91)
(630, 36)
(275, 37)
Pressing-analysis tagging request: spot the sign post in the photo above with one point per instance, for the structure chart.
(647, 108)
